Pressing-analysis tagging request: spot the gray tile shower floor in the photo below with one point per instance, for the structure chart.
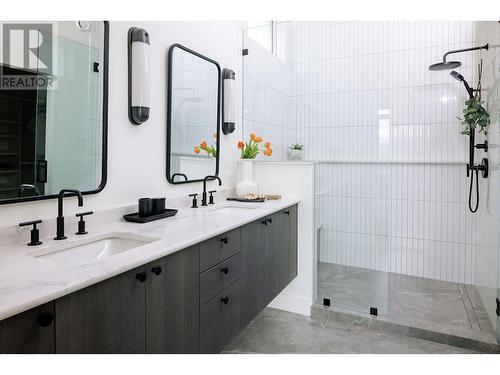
(276, 332)
(439, 306)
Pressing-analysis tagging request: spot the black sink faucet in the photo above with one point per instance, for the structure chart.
(204, 196)
(60, 218)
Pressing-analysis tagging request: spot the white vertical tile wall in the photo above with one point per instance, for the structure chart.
(266, 94)
(487, 218)
(391, 186)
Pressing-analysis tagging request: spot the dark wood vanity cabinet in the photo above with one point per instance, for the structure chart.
(172, 303)
(30, 332)
(195, 300)
(107, 317)
(268, 260)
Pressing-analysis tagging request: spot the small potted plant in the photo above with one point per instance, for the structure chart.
(249, 151)
(296, 151)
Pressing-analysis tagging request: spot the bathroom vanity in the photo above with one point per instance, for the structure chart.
(194, 299)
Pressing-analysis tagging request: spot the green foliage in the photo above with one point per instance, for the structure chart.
(475, 116)
(251, 150)
(296, 146)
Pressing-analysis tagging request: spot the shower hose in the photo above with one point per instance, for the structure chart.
(477, 191)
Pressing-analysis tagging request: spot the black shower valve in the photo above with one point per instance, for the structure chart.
(482, 146)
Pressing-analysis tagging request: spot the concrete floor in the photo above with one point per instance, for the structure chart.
(434, 305)
(276, 331)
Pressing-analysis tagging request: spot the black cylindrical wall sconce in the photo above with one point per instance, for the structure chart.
(228, 101)
(139, 75)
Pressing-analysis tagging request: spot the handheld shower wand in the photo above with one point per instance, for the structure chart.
(483, 167)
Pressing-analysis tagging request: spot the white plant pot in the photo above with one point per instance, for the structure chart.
(295, 154)
(246, 184)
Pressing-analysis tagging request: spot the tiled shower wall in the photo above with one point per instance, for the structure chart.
(487, 219)
(391, 190)
(266, 95)
(391, 185)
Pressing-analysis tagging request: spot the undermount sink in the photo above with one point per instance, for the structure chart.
(92, 249)
(232, 209)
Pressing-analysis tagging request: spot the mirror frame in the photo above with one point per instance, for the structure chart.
(169, 111)
(104, 173)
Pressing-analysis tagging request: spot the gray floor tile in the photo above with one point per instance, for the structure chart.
(275, 331)
(413, 301)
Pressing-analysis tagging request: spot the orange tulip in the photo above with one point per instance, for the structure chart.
(203, 144)
(268, 151)
(196, 150)
(252, 136)
(258, 139)
(241, 145)
(267, 145)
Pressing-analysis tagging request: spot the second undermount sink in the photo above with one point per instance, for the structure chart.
(232, 209)
(92, 249)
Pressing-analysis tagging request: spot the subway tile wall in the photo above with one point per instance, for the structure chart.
(368, 96)
(391, 190)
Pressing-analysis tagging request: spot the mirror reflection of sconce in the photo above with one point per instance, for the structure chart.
(139, 75)
(229, 101)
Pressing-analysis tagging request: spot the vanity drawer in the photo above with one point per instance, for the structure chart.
(218, 249)
(220, 320)
(219, 277)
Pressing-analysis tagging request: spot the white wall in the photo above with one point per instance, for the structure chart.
(391, 188)
(487, 219)
(136, 159)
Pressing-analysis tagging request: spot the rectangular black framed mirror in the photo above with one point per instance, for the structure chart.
(193, 116)
(53, 108)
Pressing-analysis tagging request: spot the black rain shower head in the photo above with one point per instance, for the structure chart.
(461, 78)
(445, 65)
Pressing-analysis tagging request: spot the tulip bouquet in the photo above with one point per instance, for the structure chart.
(210, 150)
(252, 148)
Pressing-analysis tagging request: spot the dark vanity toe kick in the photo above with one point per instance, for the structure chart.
(216, 279)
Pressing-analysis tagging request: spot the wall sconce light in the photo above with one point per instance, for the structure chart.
(139, 75)
(229, 101)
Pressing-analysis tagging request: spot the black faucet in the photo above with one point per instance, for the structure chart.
(204, 195)
(60, 218)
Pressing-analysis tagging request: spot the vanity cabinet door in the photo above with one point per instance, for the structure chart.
(31, 332)
(253, 267)
(273, 256)
(288, 269)
(172, 303)
(107, 317)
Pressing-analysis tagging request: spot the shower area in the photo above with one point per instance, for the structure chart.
(394, 235)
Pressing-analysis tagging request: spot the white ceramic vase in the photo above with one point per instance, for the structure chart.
(246, 184)
(295, 154)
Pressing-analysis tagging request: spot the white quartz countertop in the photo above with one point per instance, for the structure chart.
(27, 281)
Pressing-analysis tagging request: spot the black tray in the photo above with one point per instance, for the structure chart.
(138, 219)
(257, 200)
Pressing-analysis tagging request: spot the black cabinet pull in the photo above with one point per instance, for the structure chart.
(270, 220)
(224, 270)
(224, 240)
(264, 222)
(286, 212)
(156, 270)
(224, 300)
(45, 319)
(142, 276)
